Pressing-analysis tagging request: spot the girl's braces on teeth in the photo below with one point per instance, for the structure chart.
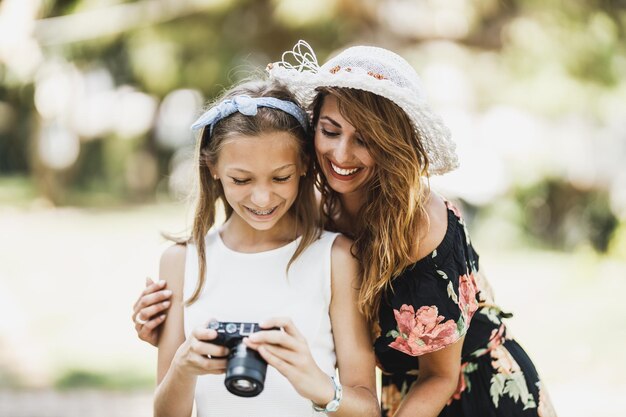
(261, 212)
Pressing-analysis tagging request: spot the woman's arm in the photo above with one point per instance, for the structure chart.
(439, 371)
(438, 379)
(180, 361)
(288, 351)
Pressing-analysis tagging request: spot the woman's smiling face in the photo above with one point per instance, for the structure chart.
(342, 155)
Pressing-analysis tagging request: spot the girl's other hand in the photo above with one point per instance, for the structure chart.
(288, 351)
(149, 311)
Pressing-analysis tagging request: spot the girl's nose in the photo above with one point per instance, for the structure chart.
(261, 196)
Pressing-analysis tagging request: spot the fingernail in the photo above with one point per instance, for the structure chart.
(161, 282)
(166, 303)
(167, 292)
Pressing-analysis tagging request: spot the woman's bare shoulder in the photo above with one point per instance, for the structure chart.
(435, 227)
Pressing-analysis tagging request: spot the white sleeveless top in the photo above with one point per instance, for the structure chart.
(252, 287)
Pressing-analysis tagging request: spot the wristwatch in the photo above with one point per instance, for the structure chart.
(333, 405)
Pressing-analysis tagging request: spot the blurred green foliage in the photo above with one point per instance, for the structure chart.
(576, 49)
(564, 216)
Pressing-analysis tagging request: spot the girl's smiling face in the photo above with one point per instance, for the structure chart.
(260, 177)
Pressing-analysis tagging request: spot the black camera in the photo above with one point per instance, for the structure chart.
(245, 368)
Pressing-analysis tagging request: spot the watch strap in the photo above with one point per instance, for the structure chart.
(333, 405)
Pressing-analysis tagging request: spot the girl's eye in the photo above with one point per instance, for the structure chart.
(329, 134)
(360, 142)
(238, 181)
(282, 179)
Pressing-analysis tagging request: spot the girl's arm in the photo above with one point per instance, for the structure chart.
(438, 380)
(180, 361)
(289, 353)
(353, 344)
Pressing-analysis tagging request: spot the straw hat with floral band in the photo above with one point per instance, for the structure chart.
(378, 71)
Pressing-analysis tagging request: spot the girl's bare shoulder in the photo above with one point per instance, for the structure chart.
(172, 265)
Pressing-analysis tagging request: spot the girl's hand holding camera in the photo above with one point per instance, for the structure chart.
(288, 352)
(198, 356)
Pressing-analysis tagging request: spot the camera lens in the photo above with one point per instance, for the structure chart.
(245, 372)
(244, 385)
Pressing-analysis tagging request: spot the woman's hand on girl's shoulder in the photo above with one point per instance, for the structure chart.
(150, 310)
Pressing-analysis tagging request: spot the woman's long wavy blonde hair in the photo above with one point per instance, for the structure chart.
(209, 191)
(390, 221)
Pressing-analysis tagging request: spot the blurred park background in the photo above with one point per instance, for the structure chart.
(96, 99)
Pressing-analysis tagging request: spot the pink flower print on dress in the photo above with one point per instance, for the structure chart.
(467, 296)
(503, 362)
(422, 332)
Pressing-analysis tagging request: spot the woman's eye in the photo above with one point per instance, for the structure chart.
(329, 134)
(238, 181)
(282, 179)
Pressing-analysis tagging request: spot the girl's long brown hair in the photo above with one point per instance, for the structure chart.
(209, 191)
(389, 223)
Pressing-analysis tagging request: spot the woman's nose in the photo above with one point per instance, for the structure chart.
(342, 151)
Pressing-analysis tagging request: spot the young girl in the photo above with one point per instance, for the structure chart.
(269, 263)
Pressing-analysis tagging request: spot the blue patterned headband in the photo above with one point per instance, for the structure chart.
(248, 106)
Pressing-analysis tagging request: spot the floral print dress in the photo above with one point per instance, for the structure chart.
(434, 303)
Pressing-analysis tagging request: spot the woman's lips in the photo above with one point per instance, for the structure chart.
(344, 174)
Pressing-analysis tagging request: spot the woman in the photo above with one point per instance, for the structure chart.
(439, 338)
